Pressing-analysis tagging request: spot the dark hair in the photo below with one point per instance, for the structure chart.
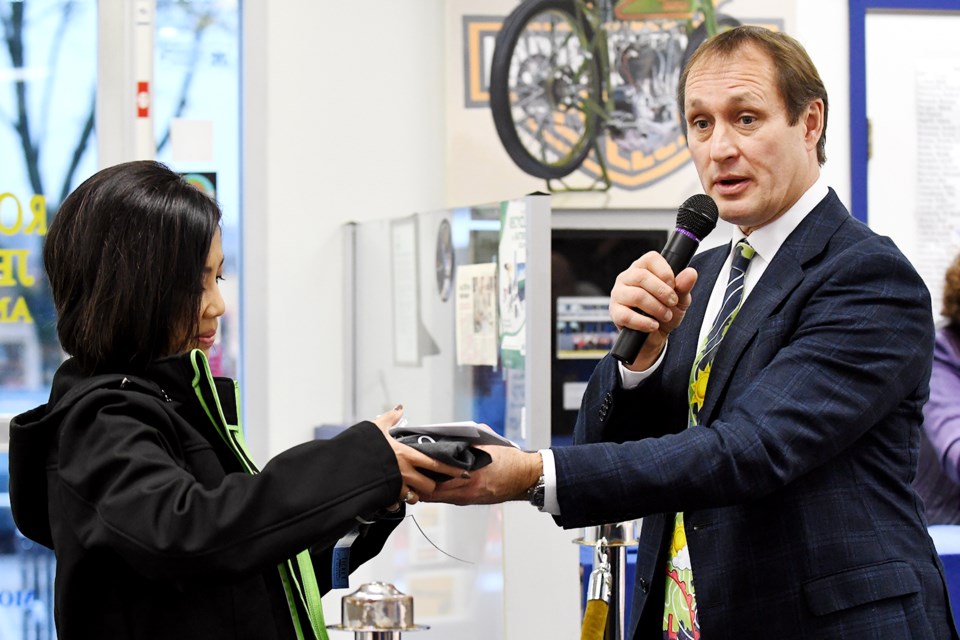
(125, 255)
(799, 83)
(951, 293)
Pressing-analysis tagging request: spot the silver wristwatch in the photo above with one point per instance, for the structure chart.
(535, 494)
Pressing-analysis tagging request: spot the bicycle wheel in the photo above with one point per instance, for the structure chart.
(545, 88)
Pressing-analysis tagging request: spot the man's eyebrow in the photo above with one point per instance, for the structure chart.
(743, 97)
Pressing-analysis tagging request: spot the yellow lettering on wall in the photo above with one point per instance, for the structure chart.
(5, 230)
(37, 226)
(19, 313)
(14, 261)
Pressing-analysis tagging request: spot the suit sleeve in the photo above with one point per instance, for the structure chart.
(848, 350)
(610, 413)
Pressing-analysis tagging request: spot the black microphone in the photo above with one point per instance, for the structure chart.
(696, 218)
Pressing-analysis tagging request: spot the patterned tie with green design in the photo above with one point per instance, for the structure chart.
(680, 607)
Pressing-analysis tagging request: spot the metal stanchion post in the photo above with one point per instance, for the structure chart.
(617, 537)
(376, 611)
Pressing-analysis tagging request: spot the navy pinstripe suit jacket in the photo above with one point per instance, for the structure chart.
(799, 513)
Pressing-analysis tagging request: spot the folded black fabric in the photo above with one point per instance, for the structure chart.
(452, 451)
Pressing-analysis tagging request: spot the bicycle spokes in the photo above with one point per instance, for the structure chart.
(546, 110)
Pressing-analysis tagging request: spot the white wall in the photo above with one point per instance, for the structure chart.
(344, 120)
(823, 27)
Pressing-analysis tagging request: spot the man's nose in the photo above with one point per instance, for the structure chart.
(723, 142)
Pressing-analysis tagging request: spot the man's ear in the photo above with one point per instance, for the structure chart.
(813, 123)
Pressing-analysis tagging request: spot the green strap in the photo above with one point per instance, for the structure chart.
(312, 594)
(309, 591)
(286, 579)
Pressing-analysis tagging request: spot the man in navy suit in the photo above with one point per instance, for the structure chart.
(776, 500)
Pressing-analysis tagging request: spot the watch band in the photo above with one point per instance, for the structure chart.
(537, 493)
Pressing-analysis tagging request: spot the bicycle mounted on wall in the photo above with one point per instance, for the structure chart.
(566, 72)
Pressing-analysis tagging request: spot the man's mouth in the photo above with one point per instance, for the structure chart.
(730, 185)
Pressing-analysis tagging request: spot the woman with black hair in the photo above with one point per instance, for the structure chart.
(136, 473)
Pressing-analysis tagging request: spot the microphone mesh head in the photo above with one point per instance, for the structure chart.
(698, 215)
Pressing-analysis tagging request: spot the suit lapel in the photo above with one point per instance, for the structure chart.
(782, 276)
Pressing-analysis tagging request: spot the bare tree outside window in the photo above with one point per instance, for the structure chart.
(48, 144)
(47, 107)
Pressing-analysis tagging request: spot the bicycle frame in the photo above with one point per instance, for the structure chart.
(667, 10)
(611, 37)
(597, 14)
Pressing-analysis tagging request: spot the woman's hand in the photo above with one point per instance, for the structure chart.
(410, 461)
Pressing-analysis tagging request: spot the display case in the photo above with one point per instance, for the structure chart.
(495, 313)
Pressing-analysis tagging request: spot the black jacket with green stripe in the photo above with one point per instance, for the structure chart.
(139, 484)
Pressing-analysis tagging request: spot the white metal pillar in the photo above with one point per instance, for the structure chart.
(125, 81)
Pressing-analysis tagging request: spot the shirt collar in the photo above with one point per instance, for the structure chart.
(768, 239)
